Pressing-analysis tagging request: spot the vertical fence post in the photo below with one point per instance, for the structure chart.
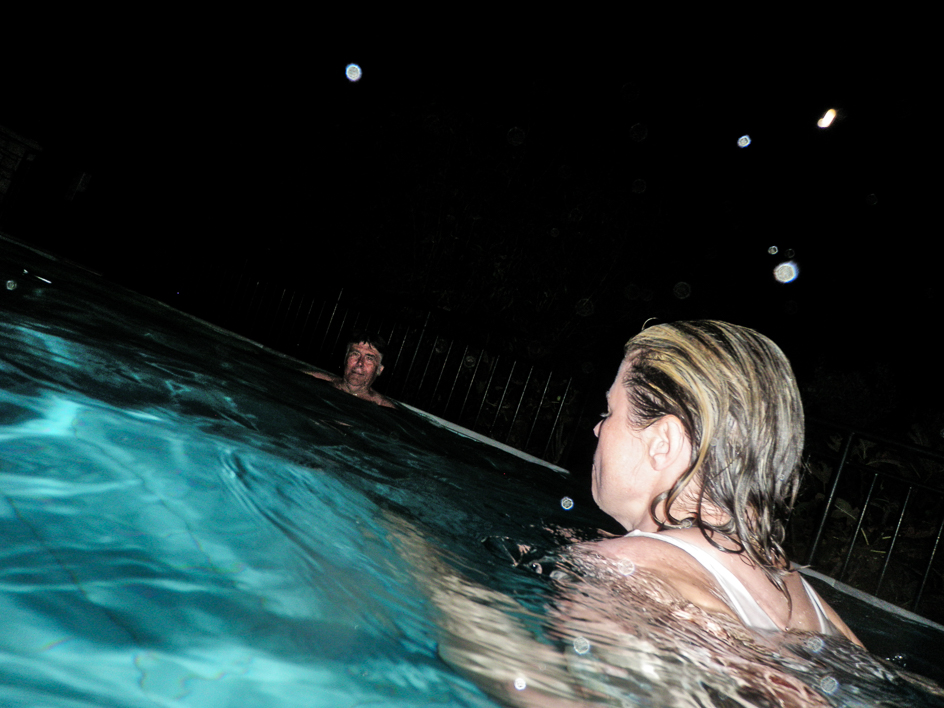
(855, 534)
(501, 401)
(891, 547)
(334, 311)
(416, 352)
(829, 500)
(488, 387)
(927, 571)
(468, 391)
(550, 435)
(455, 381)
(524, 390)
(442, 370)
(537, 413)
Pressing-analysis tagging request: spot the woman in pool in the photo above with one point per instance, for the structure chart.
(698, 457)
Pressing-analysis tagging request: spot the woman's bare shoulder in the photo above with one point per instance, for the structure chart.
(670, 565)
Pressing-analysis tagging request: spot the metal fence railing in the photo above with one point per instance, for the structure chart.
(426, 365)
(872, 516)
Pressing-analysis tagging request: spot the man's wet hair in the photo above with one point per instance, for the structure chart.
(374, 340)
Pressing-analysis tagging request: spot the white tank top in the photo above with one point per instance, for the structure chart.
(739, 599)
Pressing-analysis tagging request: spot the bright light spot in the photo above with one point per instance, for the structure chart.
(567, 503)
(827, 119)
(626, 567)
(352, 72)
(786, 272)
(772, 250)
(39, 277)
(744, 141)
(581, 645)
(828, 685)
(520, 683)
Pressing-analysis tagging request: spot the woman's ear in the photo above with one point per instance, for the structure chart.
(668, 445)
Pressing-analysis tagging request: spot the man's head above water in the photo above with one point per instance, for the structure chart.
(363, 363)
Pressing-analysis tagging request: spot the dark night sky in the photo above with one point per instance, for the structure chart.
(204, 146)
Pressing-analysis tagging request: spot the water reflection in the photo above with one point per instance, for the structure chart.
(591, 634)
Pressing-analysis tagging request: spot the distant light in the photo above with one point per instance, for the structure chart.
(827, 118)
(353, 72)
(786, 272)
(744, 141)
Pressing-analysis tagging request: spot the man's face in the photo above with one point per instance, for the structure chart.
(362, 365)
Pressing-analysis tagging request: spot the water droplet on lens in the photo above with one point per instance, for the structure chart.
(567, 503)
(576, 214)
(516, 136)
(639, 186)
(682, 290)
(353, 72)
(872, 199)
(520, 684)
(638, 132)
(11, 284)
(786, 272)
(581, 645)
(744, 141)
(828, 684)
(630, 92)
(772, 250)
(814, 644)
(626, 567)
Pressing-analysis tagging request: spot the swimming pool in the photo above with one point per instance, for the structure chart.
(188, 521)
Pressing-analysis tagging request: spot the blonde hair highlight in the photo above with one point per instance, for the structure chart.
(735, 394)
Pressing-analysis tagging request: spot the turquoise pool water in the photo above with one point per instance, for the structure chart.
(189, 521)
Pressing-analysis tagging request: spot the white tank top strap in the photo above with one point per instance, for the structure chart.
(825, 626)
(739, 599)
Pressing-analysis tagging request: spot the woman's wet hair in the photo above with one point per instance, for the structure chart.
(735, 394)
